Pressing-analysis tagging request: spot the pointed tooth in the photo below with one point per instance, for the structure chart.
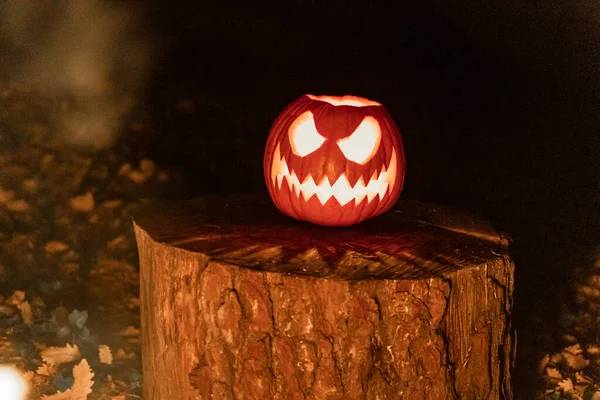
(301, 174)
(354, 175)
(295, 184)
(342, 190)
(373, 179)
(278, 181)
(392, 170)
(359, 198)
(309, 188)
(278, 166)
(324, 190)
(371, 196)
(382, 190)
(360, 191)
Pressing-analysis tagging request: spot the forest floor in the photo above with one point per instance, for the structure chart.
(69, 301)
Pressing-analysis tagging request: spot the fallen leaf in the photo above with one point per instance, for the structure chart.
(112, 204)
(130, 331)
(566, 385)
(83, 203)
(26, 312)
(574, 349)
(137, 176)
(28, 375)
(556, 358)
(55, 246)
(78, 318)
(18, 205)
(147, 166)
(593, 349)
(122, 355)
(61, 316)
(580, 378)
(6, 311)
(553, 373)
(577, 362)
(17, 298)
(59, 355)
(83, 380)
(6, 195)
(82, 385)
(595, 396)
(30, 185)
(125, 169)
(105, 354)
(66, 395)
(46, 370)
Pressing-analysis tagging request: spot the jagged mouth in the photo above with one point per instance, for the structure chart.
(341, 189)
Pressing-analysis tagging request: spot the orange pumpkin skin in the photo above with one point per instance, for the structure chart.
(334, 161)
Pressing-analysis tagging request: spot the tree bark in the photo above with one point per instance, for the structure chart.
(241, 302)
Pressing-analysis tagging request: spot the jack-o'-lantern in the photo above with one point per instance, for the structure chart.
(334, 161)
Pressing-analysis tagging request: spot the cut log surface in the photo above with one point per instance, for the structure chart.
(242, 302)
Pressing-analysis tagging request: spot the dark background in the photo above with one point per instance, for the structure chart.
(498, 107)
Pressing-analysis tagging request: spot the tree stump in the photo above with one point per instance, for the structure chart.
(239, 301)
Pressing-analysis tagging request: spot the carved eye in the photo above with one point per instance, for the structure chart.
(362, 145)
(303, 134)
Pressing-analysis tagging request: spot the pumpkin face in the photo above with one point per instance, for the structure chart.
(334, 161)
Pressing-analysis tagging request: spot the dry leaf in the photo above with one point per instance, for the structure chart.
(6, 311)
(78, 318)
(26, 312)
(82, 384)
(17, 298)
(18, 206)
(574, 349)
(580, 378)
(147, 166)
(55, 246)
(83, 203)
(566, 385)
(61, 316)
(46, 370)
(130, 331)
(66, 395)
(105, 354)
(28, 376)
(122, 355)
(577, 362)
(553, 373)
(125, 169)
(6, 195)
(544, 362)
(137, 176)
(556, 358)
(59, 355)
(593, 349)
(595, 396)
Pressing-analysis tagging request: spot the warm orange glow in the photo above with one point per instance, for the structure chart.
(304, 137)
(345, 100)
(340, 189)
(12, 384)
(362, 145)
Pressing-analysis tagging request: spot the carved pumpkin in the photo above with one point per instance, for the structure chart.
(334, 161)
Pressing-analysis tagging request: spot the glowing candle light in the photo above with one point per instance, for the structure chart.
(12, 384)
